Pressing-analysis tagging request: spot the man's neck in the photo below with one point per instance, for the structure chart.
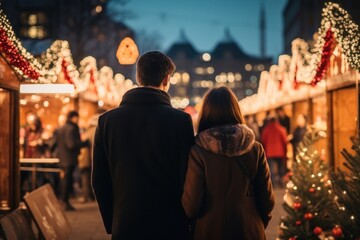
(153, 87)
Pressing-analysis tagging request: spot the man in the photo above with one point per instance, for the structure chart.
(68, 148)
(284, 120)
(140, 158)
(274, 140)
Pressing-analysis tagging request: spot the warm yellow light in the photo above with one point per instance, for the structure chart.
(98, 9)
(47, 88)
(248, 67)
(173, 80)
(127, 52)
(206, 57)
(185, 77)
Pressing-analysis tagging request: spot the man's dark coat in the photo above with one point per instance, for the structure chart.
(139, 165)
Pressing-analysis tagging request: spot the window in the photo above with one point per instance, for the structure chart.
(34, 25)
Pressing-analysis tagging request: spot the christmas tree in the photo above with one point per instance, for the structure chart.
(346, 188)
(307, 194)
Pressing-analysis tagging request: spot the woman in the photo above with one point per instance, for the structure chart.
(228, 188)
(298, 133)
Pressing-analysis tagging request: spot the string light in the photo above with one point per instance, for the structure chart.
(307, 67)
(346, 32)
(23, 62)
(58, 58)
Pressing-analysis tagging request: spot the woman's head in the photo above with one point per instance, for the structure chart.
(219, 107)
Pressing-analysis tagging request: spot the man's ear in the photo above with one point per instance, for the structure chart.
(166, 80)
(137, 80)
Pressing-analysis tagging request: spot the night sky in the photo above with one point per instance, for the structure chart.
(204, 22)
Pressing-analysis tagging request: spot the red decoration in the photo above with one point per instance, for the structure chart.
(292, 238)
(337, 231)
(308, 216)
(325, 57)
(92, 82)
(298, 223)
(64, 66)
(297, 205)
(14, 57)
(296, 83)
(317, 231)
(312, 190)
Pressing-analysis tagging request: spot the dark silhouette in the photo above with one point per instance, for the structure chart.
(298, 134)
(140, 158)
(68, 148)
(284, 119)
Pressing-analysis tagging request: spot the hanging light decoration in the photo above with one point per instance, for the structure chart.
(23, 62)
(127, 52)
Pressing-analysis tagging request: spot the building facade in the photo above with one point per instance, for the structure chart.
(87, 27)
(226, 65)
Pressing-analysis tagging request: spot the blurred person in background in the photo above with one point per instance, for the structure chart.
(32, 147)
(253, 125)
(274, 140)
(69, 143)
(298, 134)
(283, 119)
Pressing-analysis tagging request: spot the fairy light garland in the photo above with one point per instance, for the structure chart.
(345, 31)
(23, 62)
(58, 58)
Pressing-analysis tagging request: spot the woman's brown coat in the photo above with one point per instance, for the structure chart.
(228, 201)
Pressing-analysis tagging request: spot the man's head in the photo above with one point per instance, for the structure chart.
(154, 69)
(73, 116)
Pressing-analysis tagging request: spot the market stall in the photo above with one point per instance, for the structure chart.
(16, 64)
(321, 83)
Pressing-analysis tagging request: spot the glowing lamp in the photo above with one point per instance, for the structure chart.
(127, 52)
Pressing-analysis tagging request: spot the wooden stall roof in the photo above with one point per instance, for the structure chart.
(8, 77)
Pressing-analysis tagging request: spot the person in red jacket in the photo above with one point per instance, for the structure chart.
(273, 138)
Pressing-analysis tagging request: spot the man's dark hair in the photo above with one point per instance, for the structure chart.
(72, 114)
(153, 67)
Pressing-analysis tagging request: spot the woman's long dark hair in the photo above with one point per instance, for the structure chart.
(220, 107)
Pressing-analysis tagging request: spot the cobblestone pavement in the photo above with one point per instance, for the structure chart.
(87, 224)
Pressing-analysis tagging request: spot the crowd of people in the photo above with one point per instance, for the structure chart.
(154, 178)
(275, 135)
(71, 145)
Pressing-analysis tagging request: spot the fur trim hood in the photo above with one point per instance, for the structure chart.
(228, 140)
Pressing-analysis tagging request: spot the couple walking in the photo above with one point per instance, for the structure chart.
(153, 180)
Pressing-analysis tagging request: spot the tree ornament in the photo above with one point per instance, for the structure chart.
(292, 238)
(317, 231)
(298, 222)
(312, 190)
(297, 205)
(308, 216)
(337, 231)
